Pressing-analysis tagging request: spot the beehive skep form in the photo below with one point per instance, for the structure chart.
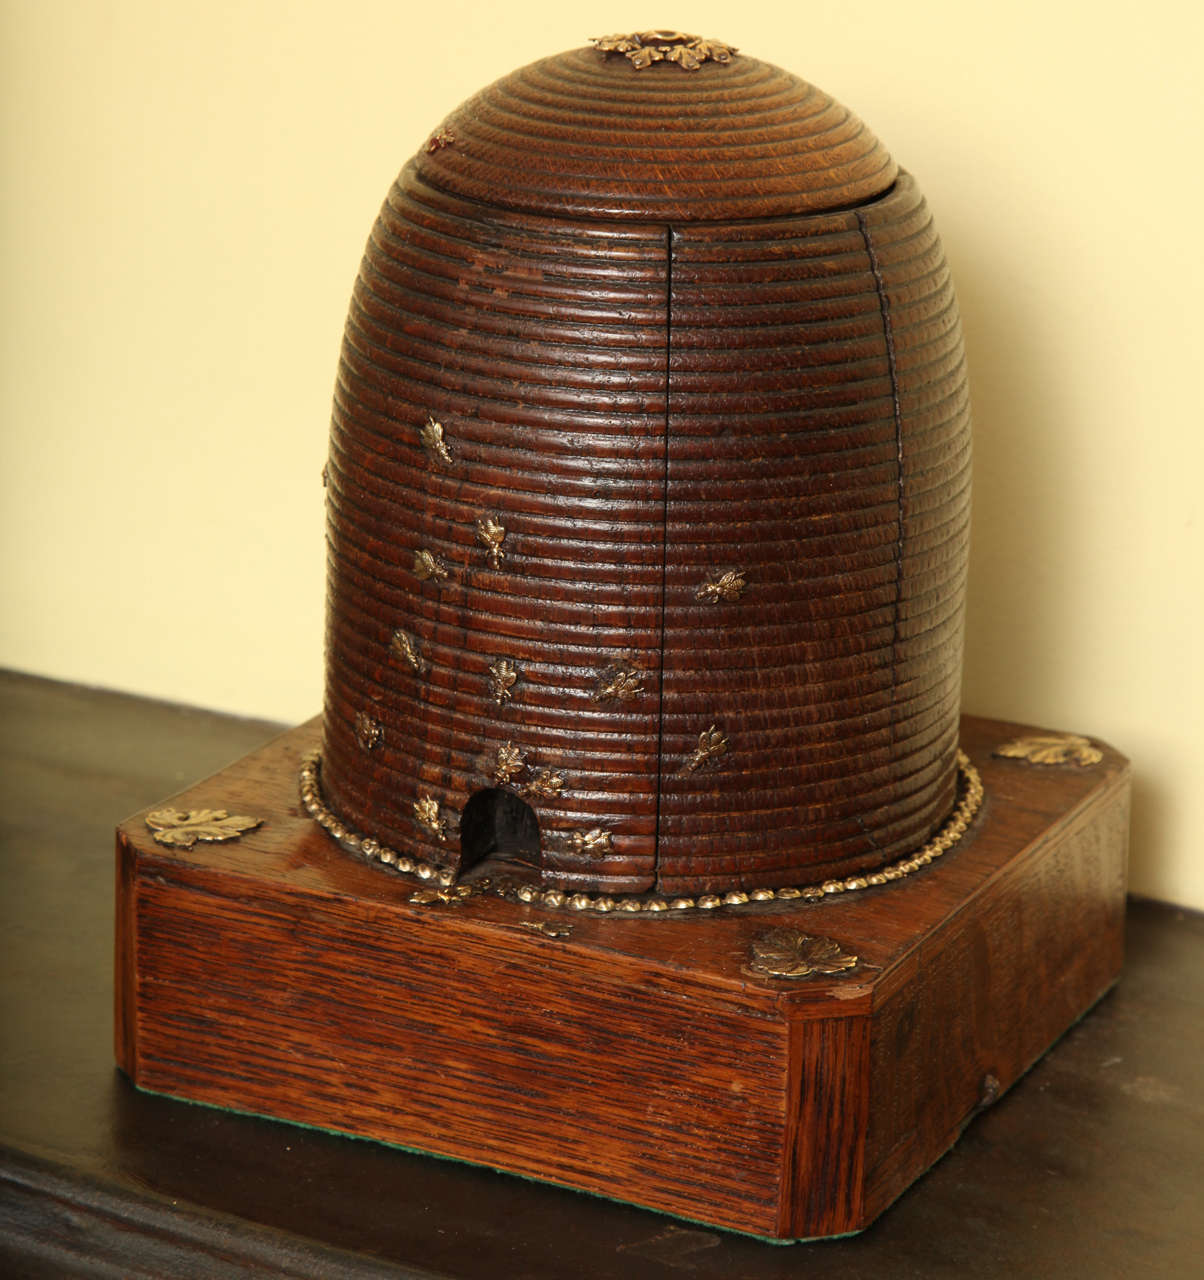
(648, 491)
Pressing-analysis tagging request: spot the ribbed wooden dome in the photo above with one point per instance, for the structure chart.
(648, 531)
(588, 134)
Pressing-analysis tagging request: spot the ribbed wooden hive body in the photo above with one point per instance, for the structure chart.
(690, 340)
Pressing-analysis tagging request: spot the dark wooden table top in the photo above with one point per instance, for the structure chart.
(1092, 1166)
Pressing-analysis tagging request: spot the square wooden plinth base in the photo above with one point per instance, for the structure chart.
(638, 1057)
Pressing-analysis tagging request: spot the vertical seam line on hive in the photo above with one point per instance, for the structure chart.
(888, 332)
(660, 711)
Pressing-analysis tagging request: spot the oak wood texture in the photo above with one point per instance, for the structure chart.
(639, 1059)
(657, 355)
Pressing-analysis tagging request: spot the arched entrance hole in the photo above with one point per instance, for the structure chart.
(496, 821)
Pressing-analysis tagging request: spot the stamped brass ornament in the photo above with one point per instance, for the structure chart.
(182, 829)
(433, 442)
(427, 565)
(618, 684)
(547, 783)
(728, 586)
(428, 817)
(548, 929)
(592, 841)
(508, 764)
(712, 743)
(406, 647)
(491, 534)
(789, 953)
(503, 676)
(368, 733)
(451, 896)
(1052, 748)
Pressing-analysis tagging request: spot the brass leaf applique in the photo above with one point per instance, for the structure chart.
(716, 50)
(788, 953)
(426, 814)
(503, 675)
(1052, 748)
(548, 929)
(427, 565)
(712, 743)
(616, 44)
(406, 647)
(491, 535)
(728, 586)
(595, 840)
(510, 762)
(433, 442)
(619, 683)
(181, 829)
(547, 783)
(685, 56)
(368, 733)
(450, 897)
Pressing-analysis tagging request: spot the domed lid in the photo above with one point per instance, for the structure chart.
(657, 126)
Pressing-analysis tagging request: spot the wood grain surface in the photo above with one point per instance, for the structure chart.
(641, 1059)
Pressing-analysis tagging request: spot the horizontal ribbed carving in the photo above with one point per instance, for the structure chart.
(661, 476)
(819, 439)
(589, 136)
(539, 349)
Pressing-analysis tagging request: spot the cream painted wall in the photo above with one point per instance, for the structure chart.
(188, 186)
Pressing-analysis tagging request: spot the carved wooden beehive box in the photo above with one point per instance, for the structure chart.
(641, 847)
(649, 489)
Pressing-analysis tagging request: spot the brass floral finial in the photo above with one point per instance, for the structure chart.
(643, 48)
